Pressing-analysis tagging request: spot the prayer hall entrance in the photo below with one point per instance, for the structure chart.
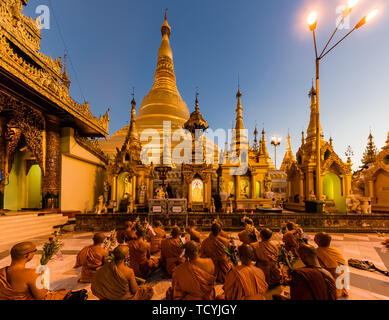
(332, 189)
(23, 190)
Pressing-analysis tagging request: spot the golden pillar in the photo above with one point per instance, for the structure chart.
(237, 187)
(371, 189)
(302, 196)
(253, 186)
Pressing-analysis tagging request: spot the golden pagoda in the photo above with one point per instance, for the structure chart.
(336, 175)
(163, 102)
(375, 180)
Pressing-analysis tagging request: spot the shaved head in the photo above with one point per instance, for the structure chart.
(98, 238)
(246, 253)
(290, 226)
(216, 228)
(191, 250)
(323, 239)
(308, 254)
(19, 250)
(176, 232)
(266, 234)
(120, 253)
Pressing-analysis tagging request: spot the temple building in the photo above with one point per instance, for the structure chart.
(47, 157)
(336, 175)
(373, 179)
(208, 178)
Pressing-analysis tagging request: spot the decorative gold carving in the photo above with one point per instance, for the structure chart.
(92, 145)
(44, 75)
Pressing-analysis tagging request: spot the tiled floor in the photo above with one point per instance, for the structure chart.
(364, 285)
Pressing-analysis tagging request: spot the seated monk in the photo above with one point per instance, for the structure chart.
(194, 279)
(19, 283)
(194, 234)
(127, 234)
(91, 258)
(290, 239)
(141, 260)
(245, 282)
(116, 281)
(172, 250)
(311, 282)
(250, 233)
(330, 258)
(266, 257)
(214, 247)
(156, 235)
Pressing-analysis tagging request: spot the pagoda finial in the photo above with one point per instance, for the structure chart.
(197, 99)
(65, 78)
(133, 105)
(165, 29)
(302, 137)
(387, 141)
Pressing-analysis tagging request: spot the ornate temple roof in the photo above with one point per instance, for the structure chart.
(196, 121)
(20, 58)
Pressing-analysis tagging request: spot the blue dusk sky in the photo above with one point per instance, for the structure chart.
(113, 47)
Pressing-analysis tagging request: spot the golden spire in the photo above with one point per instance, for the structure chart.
(163, 102)
(65, 78)
(239, 116)
(289, 157)
(302, 137)
(255, 146)
(311, 132)
(263, 149)
(240, 136)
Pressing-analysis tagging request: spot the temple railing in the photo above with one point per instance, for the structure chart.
(334, 223)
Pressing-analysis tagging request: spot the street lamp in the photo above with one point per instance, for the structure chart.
(312, 23)
(275, 141)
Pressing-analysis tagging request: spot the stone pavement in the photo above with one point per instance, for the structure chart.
(365, 285)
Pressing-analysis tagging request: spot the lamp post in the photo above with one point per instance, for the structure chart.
(312, 23)
(275, 141)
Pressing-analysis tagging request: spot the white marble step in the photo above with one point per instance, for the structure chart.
(15, 222)
(28, 228)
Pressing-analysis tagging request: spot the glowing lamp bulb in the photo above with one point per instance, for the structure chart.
(312, 20)
(371, 15)
(352, 3)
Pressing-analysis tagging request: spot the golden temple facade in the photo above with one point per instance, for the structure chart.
(44, 134)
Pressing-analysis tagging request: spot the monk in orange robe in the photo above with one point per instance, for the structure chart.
(172, 251)
(249, 234)
(266, 257)
(290, 239)
(19, 283)
(194, 279)
(127, 234)
(194, 234)
(222, 233)
(245, 282)
(330, 258)
(141, 260)
(116, 281)
(214, 247)
(91, 258)
(156, 235)
(311, 282)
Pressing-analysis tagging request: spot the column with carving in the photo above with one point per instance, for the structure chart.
(51, 182)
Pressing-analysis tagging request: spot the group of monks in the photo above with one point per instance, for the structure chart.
(194, 266)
